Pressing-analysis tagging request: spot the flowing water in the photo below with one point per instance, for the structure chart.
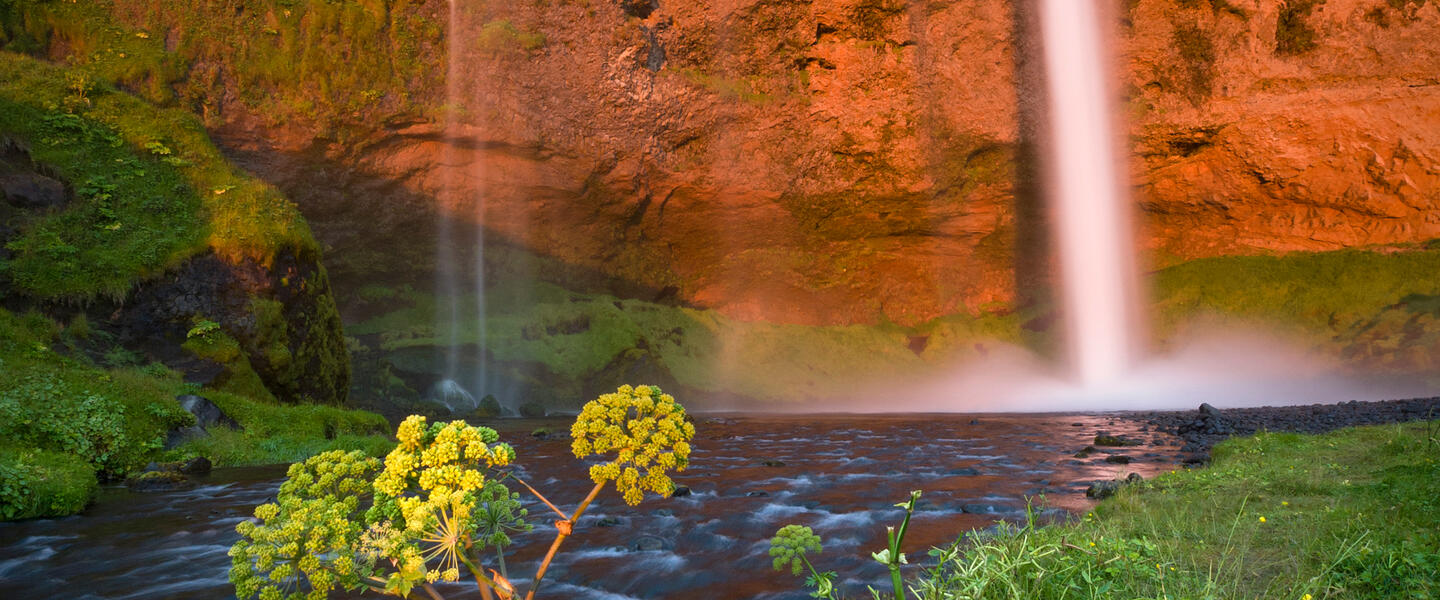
(1091, 211)
(839, 474)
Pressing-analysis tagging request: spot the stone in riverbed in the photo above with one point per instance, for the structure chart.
(1118, 459)
(979, 509)
(1102, 489)
(1114, 441)
(159, 481)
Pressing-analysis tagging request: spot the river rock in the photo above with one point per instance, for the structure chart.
(1114, 441)
(1118, 459)
(159, 481)
(648, 543)
(680, 491)
(979, 509)
(1102, 489)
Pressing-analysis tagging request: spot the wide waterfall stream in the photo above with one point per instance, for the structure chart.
(749, 475)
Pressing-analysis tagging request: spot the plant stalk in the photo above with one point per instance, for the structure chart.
(560, 536)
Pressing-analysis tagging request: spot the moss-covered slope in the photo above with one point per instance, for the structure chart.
(159, 225)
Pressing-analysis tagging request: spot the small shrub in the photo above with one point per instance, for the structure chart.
(1293, 35)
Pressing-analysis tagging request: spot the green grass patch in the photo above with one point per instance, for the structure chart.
(274, 434)
(151, 189)
(39, 483)
(62, 416)
(1351, 514)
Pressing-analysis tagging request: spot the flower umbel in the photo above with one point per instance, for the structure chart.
(646, 431)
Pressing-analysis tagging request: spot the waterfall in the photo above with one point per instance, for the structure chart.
(1087, 194)
(450, 294)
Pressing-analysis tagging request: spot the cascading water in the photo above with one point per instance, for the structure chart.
(450, 298)
(1088, 199)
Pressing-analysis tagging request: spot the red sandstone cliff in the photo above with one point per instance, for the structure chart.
(842, 161)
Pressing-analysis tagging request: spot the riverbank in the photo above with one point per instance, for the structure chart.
(1351, 513)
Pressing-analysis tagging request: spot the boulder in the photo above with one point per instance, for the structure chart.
(32, 191)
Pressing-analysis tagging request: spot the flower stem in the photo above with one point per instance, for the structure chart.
(560, 536)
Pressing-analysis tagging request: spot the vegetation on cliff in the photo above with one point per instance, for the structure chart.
(319, 62)
(159, 230)
(1379, 308)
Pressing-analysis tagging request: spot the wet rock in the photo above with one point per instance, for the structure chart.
(1134, 478)
(532, 410)
(196, 466)
(1102, 489)
(487, 408)
(680, 491)
(979, 509)
(1114, 441)
(757, 494)
(159, 481)
(772, 463)
(1085, 452)
(648, 543)
(609, 522)
(1118, 459)
(207, 414)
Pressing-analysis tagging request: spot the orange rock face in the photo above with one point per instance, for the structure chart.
(841, 161)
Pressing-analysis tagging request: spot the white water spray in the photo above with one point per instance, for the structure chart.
(1087, 196)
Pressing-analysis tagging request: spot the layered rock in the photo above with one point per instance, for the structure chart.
(821, 162)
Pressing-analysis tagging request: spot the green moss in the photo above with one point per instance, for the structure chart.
(38, 483)
(272, 433)
(318, 61)
(151, 190)
(729, 88)
(114, 420)
(575, 336)
(503, 38)
(1324, 292)
(239, 376)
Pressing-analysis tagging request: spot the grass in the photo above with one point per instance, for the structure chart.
(1351, 514)
(275, 434)
(64, 421)
(151, 189)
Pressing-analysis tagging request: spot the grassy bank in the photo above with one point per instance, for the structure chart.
(68, 421)
(1349, 514)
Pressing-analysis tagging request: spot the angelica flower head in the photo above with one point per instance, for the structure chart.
(647, 432)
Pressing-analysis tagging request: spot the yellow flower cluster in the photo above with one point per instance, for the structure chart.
(438, 460)
(645, 429)
(434, 476)
(307, 533)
